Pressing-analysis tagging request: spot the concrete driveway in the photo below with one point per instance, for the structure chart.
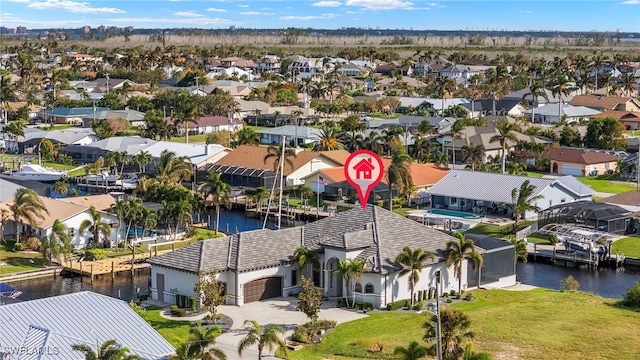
(279, 311)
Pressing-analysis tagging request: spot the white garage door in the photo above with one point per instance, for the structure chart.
(569, 169)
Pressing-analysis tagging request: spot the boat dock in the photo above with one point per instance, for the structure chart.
(553, 255)
(106, 266)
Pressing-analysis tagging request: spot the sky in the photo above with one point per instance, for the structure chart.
(571, 15)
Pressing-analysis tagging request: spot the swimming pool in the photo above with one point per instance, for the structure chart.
(452, 213)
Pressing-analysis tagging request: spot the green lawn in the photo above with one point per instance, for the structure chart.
(629, 246)
(18, 261)
(607, 185)
(192, 139)
(535, 174)
(55, 127)
(536, 324)
(173, 331)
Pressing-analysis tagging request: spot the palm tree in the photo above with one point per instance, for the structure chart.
(120, 209)
(28, 206)
(304, 256)
(218, 190)
(399, 174)
(536, 89)
(505, 134)
(202, 341)
(148, 219)
(473, 154)
(57, 243)
(330, 139)
(523, 200)
(109, 350)
(454, 331)
(275, 153)
(350, 269)
(521, 249)
(5, 215)
(142, 159)
(122, 158)
(458, 251)
(412, 352)
(60, 187)
(95, 226)
(179, 211)
(264, 336)
(247, 136)
(456, 133)
(561, 89)
(412, 261)
(172, 169)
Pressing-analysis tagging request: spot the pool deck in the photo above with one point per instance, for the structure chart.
(467, 222)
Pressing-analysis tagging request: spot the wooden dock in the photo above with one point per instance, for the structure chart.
(107, 266)
(552, 255)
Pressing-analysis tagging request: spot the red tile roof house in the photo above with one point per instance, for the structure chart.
(581, 162)
(211, 124)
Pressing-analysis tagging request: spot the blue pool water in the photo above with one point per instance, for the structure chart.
(454, 214)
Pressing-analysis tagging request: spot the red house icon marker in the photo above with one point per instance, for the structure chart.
(363, 169)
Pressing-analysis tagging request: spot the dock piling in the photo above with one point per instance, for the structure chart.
(113, 272)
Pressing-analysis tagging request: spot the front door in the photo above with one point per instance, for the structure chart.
(160, 286)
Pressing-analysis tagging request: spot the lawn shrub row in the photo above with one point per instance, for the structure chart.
(396, 305)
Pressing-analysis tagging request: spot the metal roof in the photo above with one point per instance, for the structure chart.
(52, 325)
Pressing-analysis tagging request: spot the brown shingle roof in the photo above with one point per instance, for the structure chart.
(580, 156)
(57, 210)
(253, 157)
(627, 198)
(100, 202)
(605, 102)
(618, 115)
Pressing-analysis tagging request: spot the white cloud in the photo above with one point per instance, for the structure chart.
(309, 17)
(188, 14)
(327, 3)
(18, 1)
(243, 5)
(631, 2)
(202, 21)
(380, 4)
(255, 13)
(216, 10)
(73, 6)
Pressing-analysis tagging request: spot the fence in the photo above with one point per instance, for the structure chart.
(521, 234)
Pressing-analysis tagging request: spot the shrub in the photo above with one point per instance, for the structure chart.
(419, 305)
(632, 297)
(175, 311)
(398, 304)
(18, 246)
(190, 232)
(364, 305)
(453, 293)
(95, 254)
(309, 332)
(569, 284)
(33, 244)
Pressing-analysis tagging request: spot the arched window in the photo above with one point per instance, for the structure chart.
(368, 288)
(358, 287)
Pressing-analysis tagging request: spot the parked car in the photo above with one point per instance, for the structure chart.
(35, 121)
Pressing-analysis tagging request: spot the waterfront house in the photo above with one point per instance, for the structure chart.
(211, 124)
(49, 327)
(258, 265)
(581, 162)
(463, 190)
(305, 135)
(91, 152)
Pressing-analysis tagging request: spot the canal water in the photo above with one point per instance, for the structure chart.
(605, 282)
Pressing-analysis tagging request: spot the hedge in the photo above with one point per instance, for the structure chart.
(398, 304)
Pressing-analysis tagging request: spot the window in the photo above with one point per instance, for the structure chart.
(358, 287)
(294, 277)
(463, 202)
(453, 201)
(368, 288)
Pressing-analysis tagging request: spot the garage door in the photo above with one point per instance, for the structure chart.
(262, 289)
(570, 169)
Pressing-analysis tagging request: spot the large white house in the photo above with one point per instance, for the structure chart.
(258, 265)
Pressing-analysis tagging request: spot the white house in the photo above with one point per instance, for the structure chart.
(269, 63)
(71, 215)
(197, 154)
(211, 124)
(464, 190)
(304, 134)
(258, 265)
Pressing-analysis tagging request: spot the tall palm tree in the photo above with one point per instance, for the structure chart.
(523, 200)
(275, 153)
(60, 187)
(374, 142)
(536, 89)
(96, 226)
(57, 243)
(247, 136)
(412, 352)
(142, 159)
(202, 340)
(350, 270)
(122, 158)
(473, 154)
(109, 350)
(264, 336)
(412, 261)
(303, 257)
(173, 169)
(561, 89)
(120, 209)
(521, 249)
(506, 133)
(352, 140)
(458, 251)
(27, 206)
(148, 219)
(218, 190)
(178, 211)
(399, 174)
(456, 133)
(454, 332)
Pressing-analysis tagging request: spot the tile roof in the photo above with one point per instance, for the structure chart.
(96, 318)
(618, 115)
(58, 210)
(627, 198)
(100, 202)
(580, 156)
(252, 157)
(495, 187)
(605, 102)
(380, 233)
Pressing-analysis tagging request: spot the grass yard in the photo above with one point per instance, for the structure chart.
(55, 127)
(536, 324)
(18, 261)
(629, 246)
(173, 331)
(535, 174)
(607, 185)
(192, 139)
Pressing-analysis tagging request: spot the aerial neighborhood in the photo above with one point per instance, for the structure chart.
(215, 180)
